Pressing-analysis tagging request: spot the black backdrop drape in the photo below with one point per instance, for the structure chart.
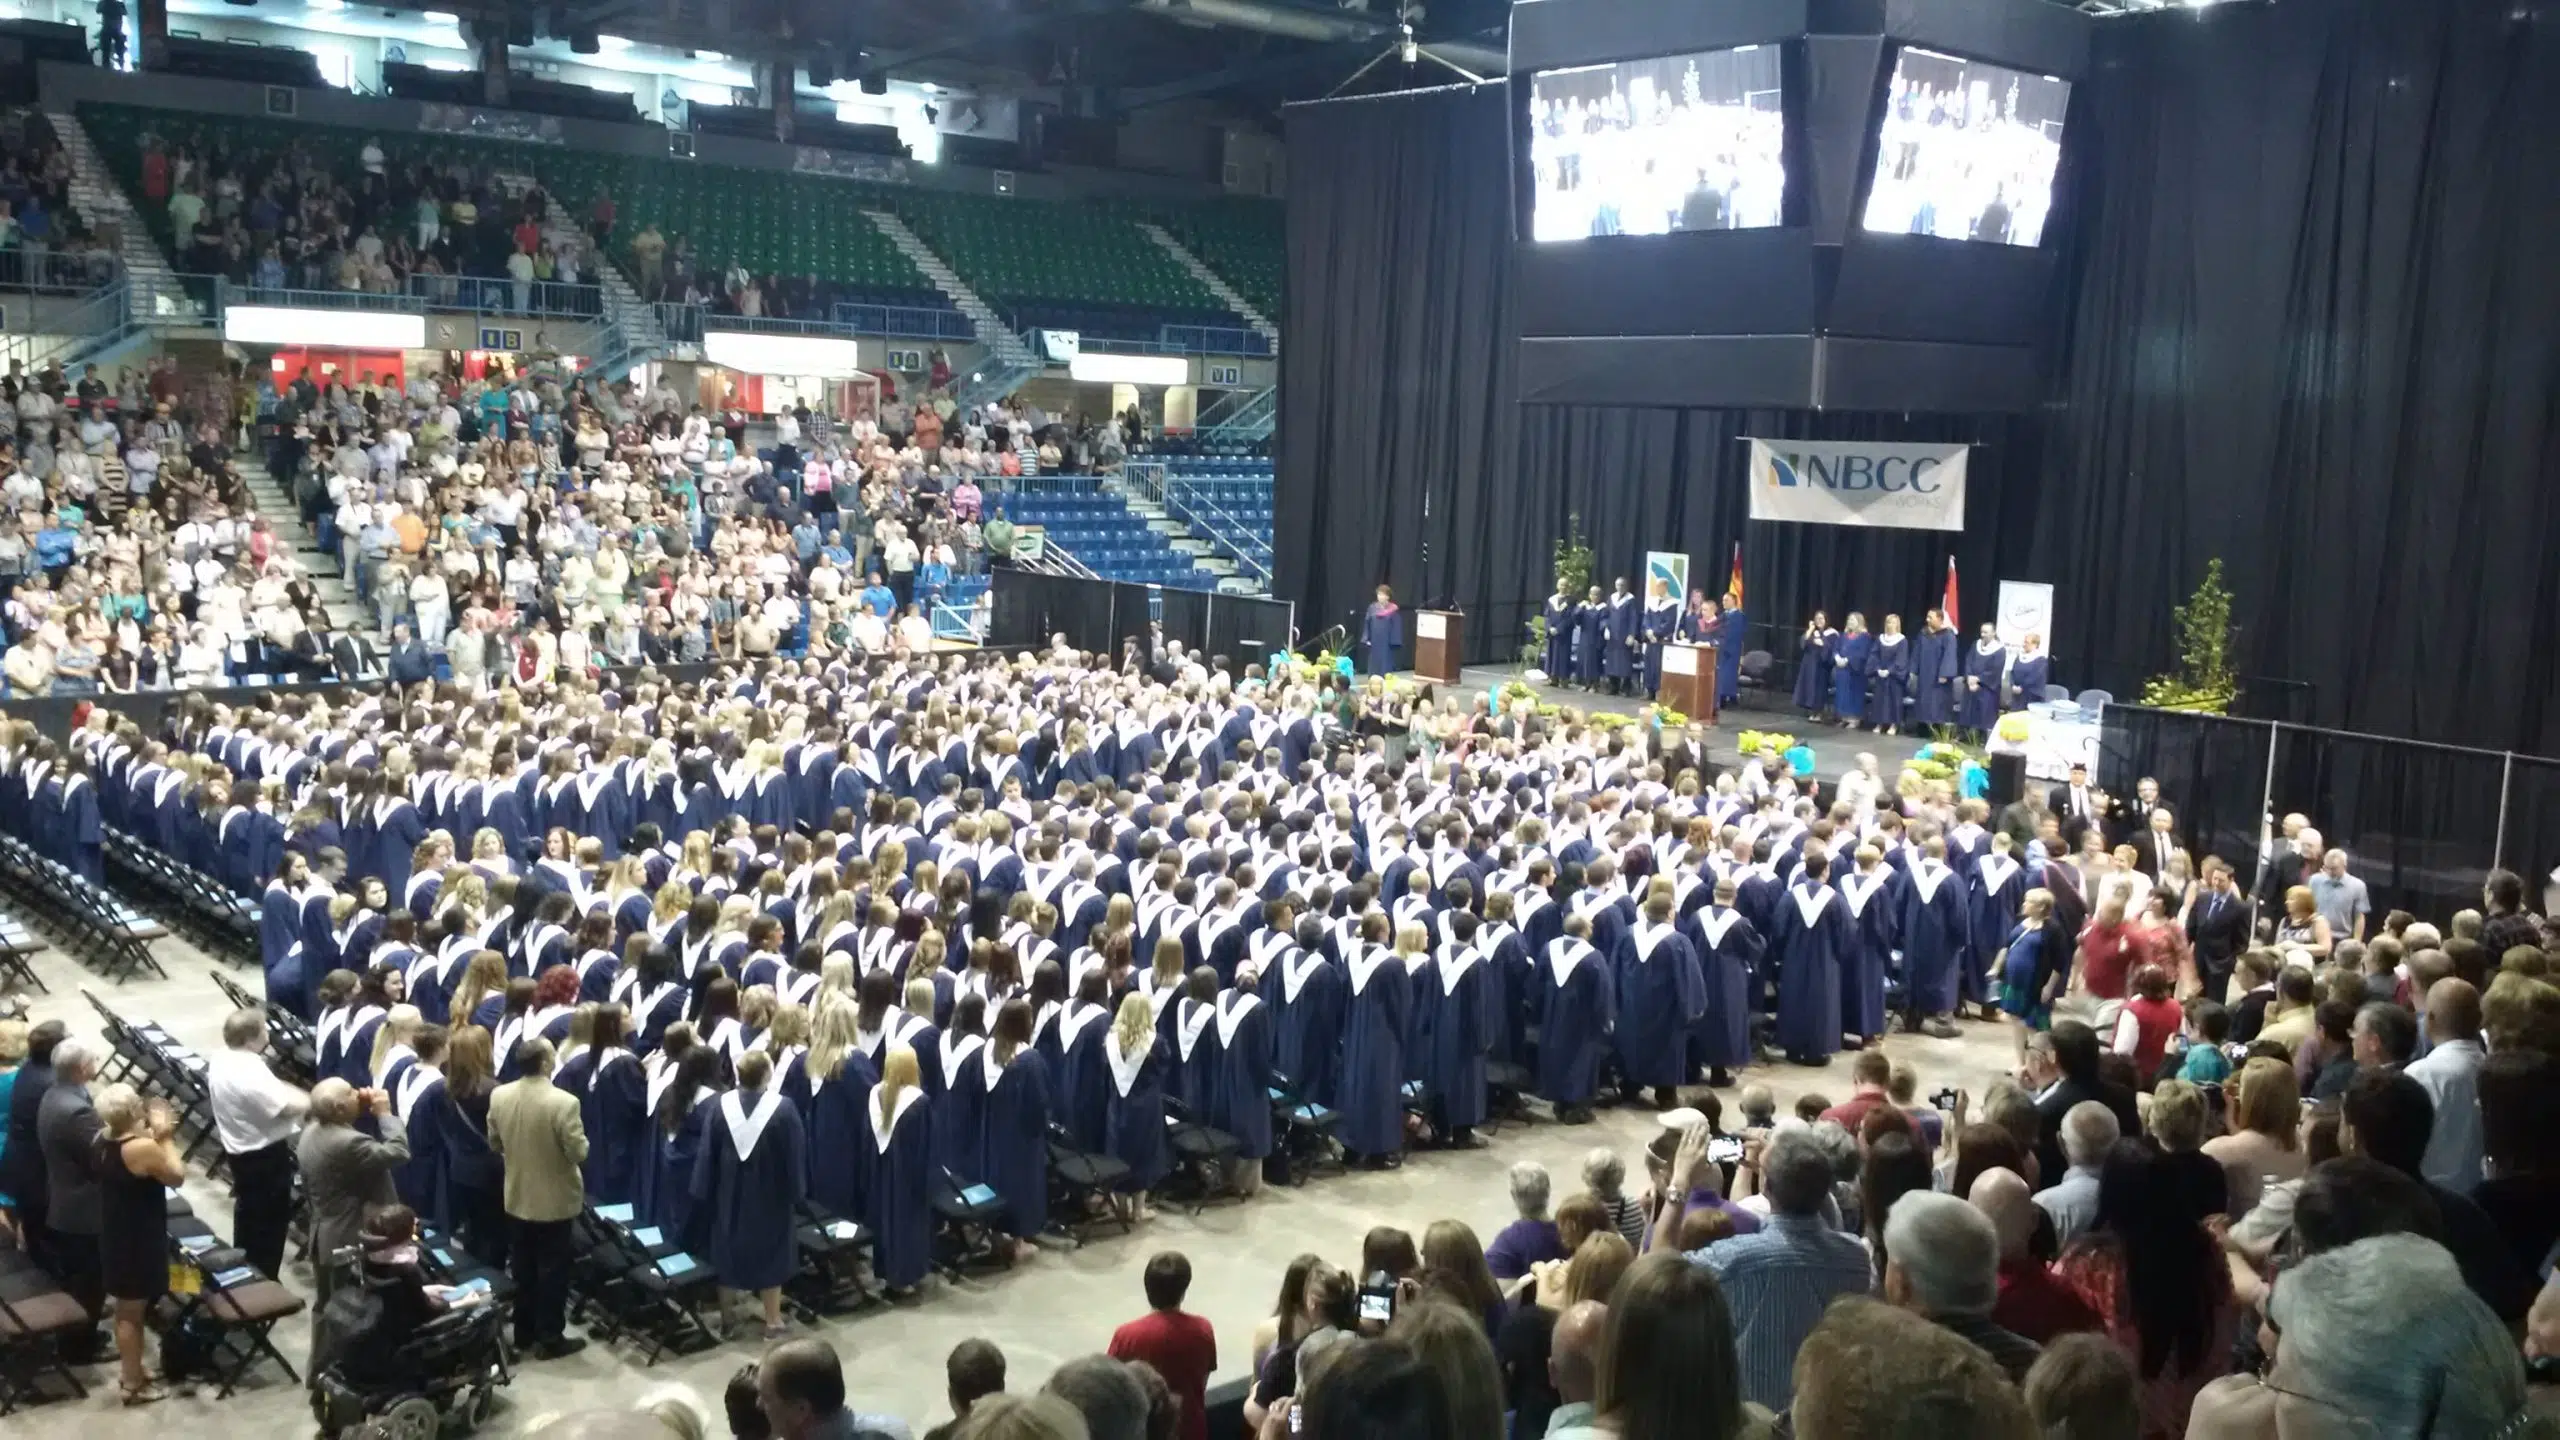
(2309, 326)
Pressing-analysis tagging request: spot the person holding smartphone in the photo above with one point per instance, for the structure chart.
(1695, 1181)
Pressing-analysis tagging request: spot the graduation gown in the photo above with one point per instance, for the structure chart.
(1579, 1005)
(1455, 993)
(1660, 994)
(1305, 993)
(1084, 1088)
(1661, 622)
(1933, 677)
(957, 1084)
(1978, 695)
(1558, 658)
(1240, 1102)
(748, 1182)
(1849, 654)
(1625, 625)
(1874, 915)
(837, 1111)
(893, 1156)
(1730, 642)
(613, 1103)
(1937, 937)
(1371, 1087)
(1590, 639)
(1812, 944)
(1728, 948)
(1511, 988)
(1998, 890)
(1190, 1025)
(1133, 1113)
(666, 1189)
(419, 1101)
(1381, 636)
(2027, 679)
(1016, 1137)
(1813, 671)
(1889, 681)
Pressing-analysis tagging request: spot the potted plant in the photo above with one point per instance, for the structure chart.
(1573, 577)
(2205, 681)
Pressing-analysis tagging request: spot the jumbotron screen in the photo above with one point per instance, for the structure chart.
(1649, 147)
(1967, 151)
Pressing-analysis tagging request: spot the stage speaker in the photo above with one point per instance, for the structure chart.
(875, 84)
(2008, 779)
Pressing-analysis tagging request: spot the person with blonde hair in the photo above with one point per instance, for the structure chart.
(2264, 1144)
(895, 1169)
(136, 1162)
(1137, 1061)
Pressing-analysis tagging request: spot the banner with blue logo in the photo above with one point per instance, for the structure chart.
(1848, 482)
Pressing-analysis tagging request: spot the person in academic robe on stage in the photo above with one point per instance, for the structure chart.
(840, 1080)
(1661, 624)
(1699, 621)
(1849, 655)
(1455, 993)
(1936, 935)
(1889, 679)
(1729, 949)
(1934, 672)
(1578, 1006)
(2029, 673)
(1624, 635)
(748, 1183)
(1382, 632)
(1815, 661)
(893, 1160)
(1557, 659)
(1661, 993)
(1813, 942)
(1241, 1102)
(1591, 640)
(1370, 1091)
(1017, 1088)
(1978, 693)
(1871, 893)
(613, 1101)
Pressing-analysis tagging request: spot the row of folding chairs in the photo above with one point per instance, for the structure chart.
(634, 1284)
(223, 924)
(36, 1317)
(148, 1058)
(221, 1313)
(81, 916)
(19, 945)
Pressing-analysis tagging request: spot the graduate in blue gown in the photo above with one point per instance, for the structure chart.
(1241, 1103)
(1624, 636)
(1511, 982)
(1978, 693)
(1590, 638)
(1934, 671)
(280, 936)
(1814, 664)
(1370, 1093)
(613, 1102)
(1136, 1061)
(418, 1099)
(1937, 939)
(1456, 992)
(1661, 623)
(748, 1182)
(1998, 889)
(1729, 953)
(1875, 913)
(1888, 700)
(681, 1093)
(2029, 673)
(1382, 632)
(1190, 1023)
(1083, 1086)
(1731, 640)
(839, 1080)
(894, 1159)
(956, 1084)
(1015, 1081)
(1849, 654)
(1557, 660)
(1579, 1005)
(1812, 936)
(1303, 988)
(1661, 993)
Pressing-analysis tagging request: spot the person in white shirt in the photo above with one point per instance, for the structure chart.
(2450, 1071)
(257, 1117)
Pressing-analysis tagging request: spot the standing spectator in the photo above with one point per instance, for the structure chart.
(256, 1116)
(2386, 1117)
(346, 1173)
(2075, 1055)
(1667, 1365)
(2032, 1302)
(1945, 1263)
(1181, 1346)
(536, 1128)
(136, 1164)
(2158, 1282)
(21, 1153)
(1106, 1393)
(1780, 1278)
(2085, 1388)
(1573, 1366)
(2340, 897)
(67, 1128)
(800, 1384)
(973, 1371)
(2507, 925)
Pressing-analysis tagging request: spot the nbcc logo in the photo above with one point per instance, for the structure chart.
(1890, 475)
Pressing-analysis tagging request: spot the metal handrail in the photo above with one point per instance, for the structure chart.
(227, 294)
(1240, 540)
(497, 295)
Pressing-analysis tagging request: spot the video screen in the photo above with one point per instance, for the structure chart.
(1648, 147)
(1967, 151)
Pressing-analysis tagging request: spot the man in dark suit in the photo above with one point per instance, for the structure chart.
(2127, 819)
(2076, 804)
(2295, 858)
(2153, 842)
(67, 1130)
(2218, 926)
(22, 1163)
(2075, 1055)
(411, 662)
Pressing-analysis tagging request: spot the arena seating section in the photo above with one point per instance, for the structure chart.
(1046, 264)
(1225, 498)
(1111, 540)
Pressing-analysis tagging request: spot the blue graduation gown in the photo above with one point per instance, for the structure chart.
(1511, 988)
(1813, 671)
(1933, 676)
(1660, 993)
(1455, 992)
(1017, 1139)
(1978, 699)
(1661, 622)
(1192, 1027)
(1849, 674)
(1590, 639)
(2027, 679)
(1133, 1113)
(1370, 1092)
(1240, 1103)
(958, 1087)
(749, 1199)
(1875, 914)
(1937, 937)
(1998, 890)
(1732, 636)
(397, 831)
(613, 1102)
(1084, 1086)
(1382, 635)
(894, 1161)
(1728, 948)
(1304, 993)
(665, 1197)
(1812, 942)
(1624, 625)
(1579, 1005)
(421, 1105)
(1889, 681)
(1558, 659)
(839, 1131)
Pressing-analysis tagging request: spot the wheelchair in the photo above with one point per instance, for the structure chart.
(447, 1373)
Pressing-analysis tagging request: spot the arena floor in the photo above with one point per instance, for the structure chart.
(1835, 751)
(1061, 1304)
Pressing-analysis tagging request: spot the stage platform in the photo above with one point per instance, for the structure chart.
(1835, 751)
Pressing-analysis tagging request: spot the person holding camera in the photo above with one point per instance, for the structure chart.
(346, 1173)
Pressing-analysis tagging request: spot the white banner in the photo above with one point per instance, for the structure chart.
(1842, 482)
(2026, 608)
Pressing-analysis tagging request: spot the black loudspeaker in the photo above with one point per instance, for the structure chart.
(822, 67)
(520, 28)
(585, 42)
(2008, 779)
(875, 84)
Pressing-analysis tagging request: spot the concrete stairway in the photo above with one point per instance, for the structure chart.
(1232, 578)
(1227, 294)
(1004, 348)
(337, 594)
(642, 337)
(156, 293)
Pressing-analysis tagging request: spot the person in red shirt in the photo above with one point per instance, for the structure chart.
(1181, 1346)
(2112, 947)
(2033, 1302)
(2148, 1022)
(1872, 1074)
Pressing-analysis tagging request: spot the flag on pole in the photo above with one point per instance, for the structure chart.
(1733, 586)
(1948, 604)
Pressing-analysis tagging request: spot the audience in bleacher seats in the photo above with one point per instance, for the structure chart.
(46, 244)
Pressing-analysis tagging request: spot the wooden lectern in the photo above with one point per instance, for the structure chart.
(1439, 645)
(1689, 680)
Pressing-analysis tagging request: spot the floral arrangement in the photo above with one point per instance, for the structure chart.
(1664, 717)
(1609, 720)
(1755, 741)
(1940, 760)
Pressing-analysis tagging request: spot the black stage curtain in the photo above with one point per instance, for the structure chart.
(2306, 329)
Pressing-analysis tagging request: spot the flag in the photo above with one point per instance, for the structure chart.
(1948, 603)
(1733, 585)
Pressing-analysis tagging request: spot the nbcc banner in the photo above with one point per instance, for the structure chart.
(1840, 482)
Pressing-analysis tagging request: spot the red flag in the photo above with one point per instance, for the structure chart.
(1733, 586)
(1948, 603)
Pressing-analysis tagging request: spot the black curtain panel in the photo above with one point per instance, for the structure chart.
(2303, 324)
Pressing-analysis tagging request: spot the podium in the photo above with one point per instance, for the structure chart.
(1439, 645)
(1689, 680)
